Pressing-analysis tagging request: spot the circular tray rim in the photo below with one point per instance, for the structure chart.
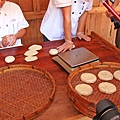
(41, 70)
(74, 96)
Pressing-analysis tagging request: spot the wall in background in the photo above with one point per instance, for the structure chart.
(34, 11)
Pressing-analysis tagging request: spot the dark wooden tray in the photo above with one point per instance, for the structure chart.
(87, 105)
(25, 92)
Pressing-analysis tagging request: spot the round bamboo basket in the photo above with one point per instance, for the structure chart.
(25, 92)
(87, 104)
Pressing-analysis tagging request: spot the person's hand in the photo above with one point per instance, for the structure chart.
(1, 46)
(108, 14)
(8, 40)
(68, 45)
(81, 35)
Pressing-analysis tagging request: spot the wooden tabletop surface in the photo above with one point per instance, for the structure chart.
(62, 107)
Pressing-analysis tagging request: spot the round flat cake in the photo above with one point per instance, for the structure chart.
(105, 75)
(88, 78)
(31, 58)
(84, 89)
(9, 59)
(107, 87)
(53, 51)
(31, 53)
(35, 47)
(116, 74)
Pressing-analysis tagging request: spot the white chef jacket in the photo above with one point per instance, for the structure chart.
(52, 23)
(11, 20)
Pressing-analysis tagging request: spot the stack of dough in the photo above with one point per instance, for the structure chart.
(32, 51)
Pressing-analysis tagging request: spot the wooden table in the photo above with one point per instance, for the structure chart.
(61, 108)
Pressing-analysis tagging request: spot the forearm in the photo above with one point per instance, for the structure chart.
(67, 22)
(81, 27)
(82, 22)
(68, 44)
(115, 4)
(20, 33)
(67, 29)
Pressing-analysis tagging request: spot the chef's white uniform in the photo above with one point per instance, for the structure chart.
(11, 20)
(52, 23)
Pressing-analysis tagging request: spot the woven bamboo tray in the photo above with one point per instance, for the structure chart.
(25, 92)
(87, 105)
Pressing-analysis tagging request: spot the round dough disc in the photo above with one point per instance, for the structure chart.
(73, 46)
(31, 53)
(9, 59)
(107, 87)
(53, 51)
(116, 74)
(105, 75)
(35, 47)
(31, 58)
(84, 89)
(85, 118)
(88, 78)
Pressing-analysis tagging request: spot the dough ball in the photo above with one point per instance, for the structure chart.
(53, 51)
(105, 75)
(35, 47)
(31, 58)
(73, 46)
(31, 53)
(116, 74)
(84, 89)
(88, 78)
(9, 59)
(107, 87)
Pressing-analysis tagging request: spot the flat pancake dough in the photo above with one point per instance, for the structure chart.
(84, 118)
(31, 58)
(31, 53)
(116, 74)
(53, 51)
(35, 47)
(84, 89)
(107, 87)
(88, 78)
(105, 75)
(73, 46)
(9, 59)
